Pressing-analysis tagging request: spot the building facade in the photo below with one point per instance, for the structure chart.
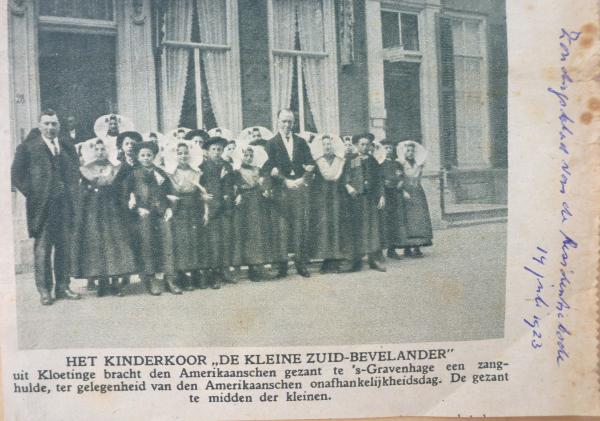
(433, 71)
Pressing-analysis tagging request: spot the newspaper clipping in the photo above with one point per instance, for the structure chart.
(299, 209)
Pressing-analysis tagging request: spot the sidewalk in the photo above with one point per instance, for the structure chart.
(456, 292)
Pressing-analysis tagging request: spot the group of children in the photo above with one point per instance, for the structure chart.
(192, 226)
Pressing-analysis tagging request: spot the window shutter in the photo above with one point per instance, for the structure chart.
(447, 93)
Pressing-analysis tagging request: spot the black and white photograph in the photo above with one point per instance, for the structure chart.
(251, 173)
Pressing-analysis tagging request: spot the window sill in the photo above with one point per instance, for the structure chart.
(399, 54)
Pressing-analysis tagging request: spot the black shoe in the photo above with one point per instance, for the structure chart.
(125, 280)
(417, 252)
(408, 252)
(91, 285)
(253, 274)
(302, 271)
(115, 287)
(185, 282)
(213, 280)
(45, 298)
(172, 286)
(102, 287)
(155, 286)
(326, 267)
(373, 264)
(228, 277)
(282, 270)
(336, 267)
(198, 280)
(356, 266)
(391, 253)
(67, 294)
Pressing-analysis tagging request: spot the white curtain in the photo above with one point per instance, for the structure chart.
(310, 28)
(177, 27)
(470, 106)
(284, 30)
(316, 71)
(212, 19)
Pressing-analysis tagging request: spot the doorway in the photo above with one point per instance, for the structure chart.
(402, 100)
(78, 76)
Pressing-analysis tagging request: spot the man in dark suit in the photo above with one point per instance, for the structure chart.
(72, 132)
(292, 167)
(45, 170)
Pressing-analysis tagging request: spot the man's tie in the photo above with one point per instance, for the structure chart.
(289, 144)
(55, 148)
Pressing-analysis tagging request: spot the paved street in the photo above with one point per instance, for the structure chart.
(455, 293)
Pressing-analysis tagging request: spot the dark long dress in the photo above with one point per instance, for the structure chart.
(121, 181)
(153, 235)
(100, 244)
(187, 222)
(364, 175)
(250, 220)
(217, 179)
(393, 218)
(418, 221)
(329, 239)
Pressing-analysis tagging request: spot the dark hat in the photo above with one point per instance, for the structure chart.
(131, 134)
(357, 137)
(146, 145)
(212, 141)
(198, 132)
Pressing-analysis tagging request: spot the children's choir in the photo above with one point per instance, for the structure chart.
(194, 225)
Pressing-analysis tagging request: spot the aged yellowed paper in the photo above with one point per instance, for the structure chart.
(299, 209)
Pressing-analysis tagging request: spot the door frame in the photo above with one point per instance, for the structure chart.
(418, 74)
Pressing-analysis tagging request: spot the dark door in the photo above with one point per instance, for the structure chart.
(402, 101)
(78, 76)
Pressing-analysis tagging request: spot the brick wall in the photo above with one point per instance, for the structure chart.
(254, 63)
(353, 80)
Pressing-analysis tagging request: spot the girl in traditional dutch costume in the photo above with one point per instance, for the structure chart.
(418, 221)
(250, 220)
(101, 244)
(393, 221)
(147, 187)
(329, 239)
(190, 215)
(364, 184)
(126, 142)
(217, 179)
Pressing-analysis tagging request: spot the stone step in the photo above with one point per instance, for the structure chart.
(469, 213)
(471, 222)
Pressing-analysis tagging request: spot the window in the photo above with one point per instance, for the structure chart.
(200, 86)
(304, 63)
(79, 9)
(470, 90)
(400, 30)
